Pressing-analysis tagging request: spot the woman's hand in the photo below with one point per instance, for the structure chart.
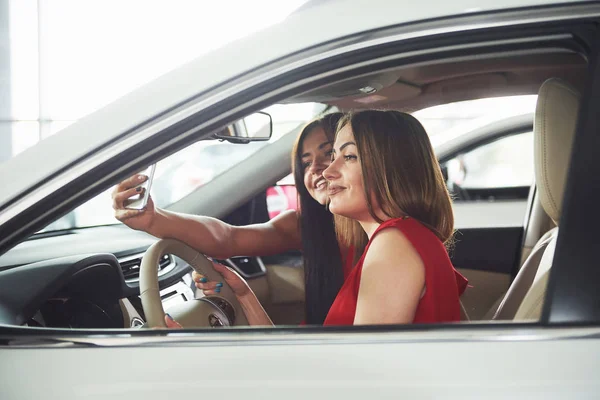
(234, 280)
(171, 323)
(254, 311)
(136, 219)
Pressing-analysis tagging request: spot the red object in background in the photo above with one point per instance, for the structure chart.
(281, 198)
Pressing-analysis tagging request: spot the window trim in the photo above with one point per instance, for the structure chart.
(572, 295)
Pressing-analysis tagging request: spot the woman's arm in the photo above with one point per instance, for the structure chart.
(392, 281)
(221, 240)
(208, 235)
(254, 311)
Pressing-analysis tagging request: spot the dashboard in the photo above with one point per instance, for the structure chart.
(85, 278)
(89, 278)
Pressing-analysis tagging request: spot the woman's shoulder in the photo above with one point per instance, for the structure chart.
(422, 239)
(389, 244)
(407, 225)
(389, 249)
(401, 222)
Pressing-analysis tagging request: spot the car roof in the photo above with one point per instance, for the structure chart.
(314, 23)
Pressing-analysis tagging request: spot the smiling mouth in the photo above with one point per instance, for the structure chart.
(321, 184)
(333, 190)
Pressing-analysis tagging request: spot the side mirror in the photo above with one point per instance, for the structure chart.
(255, 127)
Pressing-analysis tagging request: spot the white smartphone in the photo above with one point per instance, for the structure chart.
(140, 201)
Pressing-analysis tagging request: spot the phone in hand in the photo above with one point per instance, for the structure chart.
(140, 201)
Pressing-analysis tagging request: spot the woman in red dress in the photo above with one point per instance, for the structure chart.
(384, 181)
(385, 177)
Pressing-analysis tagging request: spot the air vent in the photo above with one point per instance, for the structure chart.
(131, 266)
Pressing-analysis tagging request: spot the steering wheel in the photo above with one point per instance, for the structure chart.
(209, 311)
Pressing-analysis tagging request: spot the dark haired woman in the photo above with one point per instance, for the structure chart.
(310, 229)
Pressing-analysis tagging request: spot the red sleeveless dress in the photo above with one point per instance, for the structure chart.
(443, 283)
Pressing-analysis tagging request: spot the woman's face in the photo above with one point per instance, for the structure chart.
(344, 174)
(316, 156)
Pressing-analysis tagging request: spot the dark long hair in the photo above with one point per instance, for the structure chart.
(323, 268)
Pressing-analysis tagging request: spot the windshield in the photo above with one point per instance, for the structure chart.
(185, 171)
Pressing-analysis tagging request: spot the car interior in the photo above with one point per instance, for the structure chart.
(505, 236)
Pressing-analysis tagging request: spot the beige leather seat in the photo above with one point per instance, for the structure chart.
(554, 128)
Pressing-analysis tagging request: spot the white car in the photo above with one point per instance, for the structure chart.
(70, 310)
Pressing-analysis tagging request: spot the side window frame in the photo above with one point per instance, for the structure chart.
(572, 295)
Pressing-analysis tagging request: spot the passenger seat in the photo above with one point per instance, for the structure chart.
(554, 128)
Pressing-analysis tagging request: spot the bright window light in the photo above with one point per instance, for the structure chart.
(24, 62)
(97, 51)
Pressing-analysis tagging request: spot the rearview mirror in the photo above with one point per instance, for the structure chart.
(253, 128)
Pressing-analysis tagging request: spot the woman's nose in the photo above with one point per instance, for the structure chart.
(331, 172)
(318, 166)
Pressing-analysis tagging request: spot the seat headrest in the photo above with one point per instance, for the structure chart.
(554, 128)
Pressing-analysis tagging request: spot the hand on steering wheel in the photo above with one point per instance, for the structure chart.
(219, 310)
(237, 284)
(171, 323)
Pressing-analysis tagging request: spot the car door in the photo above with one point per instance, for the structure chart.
(553, 358)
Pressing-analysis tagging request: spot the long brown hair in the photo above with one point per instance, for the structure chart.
(400, 173)
(323, 268)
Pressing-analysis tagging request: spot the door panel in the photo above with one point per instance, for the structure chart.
(280, 295)
(460, 363)
(487, 251)
(486, 287)
(281, 288)
(286, 303)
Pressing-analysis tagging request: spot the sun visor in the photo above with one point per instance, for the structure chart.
(352, 88)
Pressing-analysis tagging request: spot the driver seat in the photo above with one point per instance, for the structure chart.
(554, 128)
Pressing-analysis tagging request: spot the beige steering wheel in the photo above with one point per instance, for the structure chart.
(210, 311)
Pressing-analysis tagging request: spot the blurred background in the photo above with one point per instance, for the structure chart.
(63, 59)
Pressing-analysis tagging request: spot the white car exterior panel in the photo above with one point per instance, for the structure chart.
(407, 365)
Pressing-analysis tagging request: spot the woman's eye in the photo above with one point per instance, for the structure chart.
(329, 153)
(305, 164)
(350, 157)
